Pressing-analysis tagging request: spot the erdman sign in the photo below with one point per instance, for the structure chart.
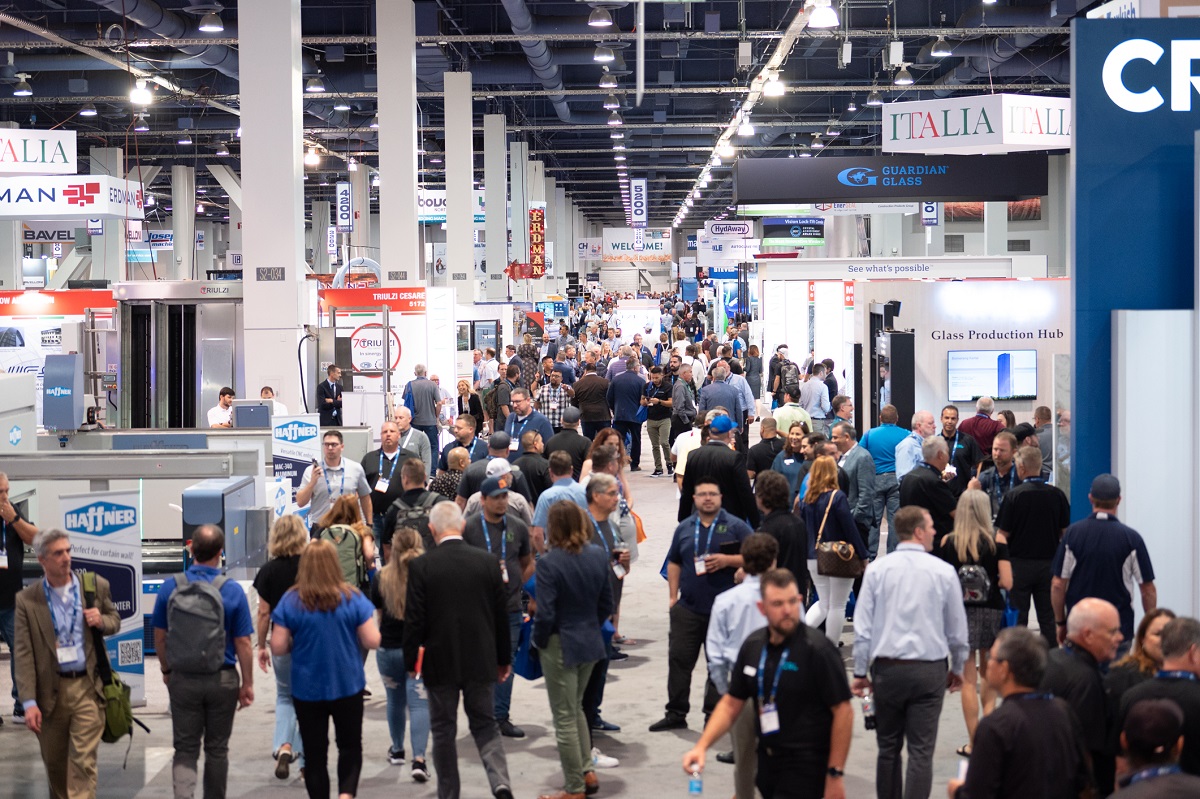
(876, 178)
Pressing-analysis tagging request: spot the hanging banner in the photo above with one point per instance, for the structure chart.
(344, 208)
(537, 240)
(39, 232)
(931, 214)
(793, 231)
(38, 152)
(980, 124)
(731, 229)
(431, 205)
(106, 538)
(70, 197)
(331, 235)
(619, 244)
(295, 444)
(848, 295)
(589, 249)
(639, 202)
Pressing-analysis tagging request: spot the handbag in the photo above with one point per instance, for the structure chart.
(525, 660)
(836, 558)
(1012, 616)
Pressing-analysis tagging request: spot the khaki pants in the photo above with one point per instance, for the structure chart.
(660, 435)
(745, 757)
(70, 737)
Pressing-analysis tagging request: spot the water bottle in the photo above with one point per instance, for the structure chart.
(868, 711)
(695, 784)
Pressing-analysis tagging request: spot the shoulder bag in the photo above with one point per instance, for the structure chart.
(836, 558)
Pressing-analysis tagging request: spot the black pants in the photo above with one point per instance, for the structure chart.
(590, 429)
(678, 427)
(634, 431)
(593, 694)
(1031, 578)
(313, 719)
(790, 774)
(684, 642)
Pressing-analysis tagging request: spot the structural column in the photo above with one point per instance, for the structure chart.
(273, 197)
(320, 229)
(995, 228)
(495, 200)
(400, 252)
(183, 223)
(549, 284)
(518, 159)
(360, 236)
(460, 185)
(108, 250)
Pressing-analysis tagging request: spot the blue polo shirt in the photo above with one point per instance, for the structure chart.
(697, 591)
(1104, 558)
(237, 609)
(326, 664)
(881, 442)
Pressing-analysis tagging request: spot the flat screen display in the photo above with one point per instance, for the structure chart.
(1000, 374)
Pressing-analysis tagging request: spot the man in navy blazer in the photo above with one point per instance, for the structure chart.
(625, 394)
(456, 609)
(329, 398)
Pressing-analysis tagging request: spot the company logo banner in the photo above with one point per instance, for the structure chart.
(38, 152)
(431, 205)
(344, 208)
(70, 197)
(986, 123)
(295, 444)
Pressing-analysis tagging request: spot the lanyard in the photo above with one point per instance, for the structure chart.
(955, 443)
(600, 533)
(1151, 773)
(517, 435)
(3, 537)
(407, 439)
(762, 666)
(64, 636)
(1029, 696)
(1012, 475)
(503, 537)
(707, 541)
(474, 443)
(329, 486)
(392, 470)
(1175, 675)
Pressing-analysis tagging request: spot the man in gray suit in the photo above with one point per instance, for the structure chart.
(859, 467)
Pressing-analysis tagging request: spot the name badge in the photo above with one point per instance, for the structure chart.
(504, 572)
(768, 719)
(554, 406)
(3, 560)
(382, 485)
(514, 444)
(69, 654)
(749, 671)
(789, 461)
(701, 566)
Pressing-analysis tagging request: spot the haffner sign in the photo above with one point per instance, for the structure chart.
(37, 152)
(982, 124)
(70, 197)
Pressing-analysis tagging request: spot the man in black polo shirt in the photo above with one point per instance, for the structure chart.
(1033, 517)
(926, 487)
(570, 441)
(382, 467)
(797, 681)
(760, 456)
(965, 454)
(1179, 681)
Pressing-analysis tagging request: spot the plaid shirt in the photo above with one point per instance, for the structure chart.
(552, 402)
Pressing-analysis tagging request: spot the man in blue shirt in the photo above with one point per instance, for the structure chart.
(524, 419)
(563, 487)
(908, 450)
(626, 393)
(703, 557)
(881, 442)
(203, 705)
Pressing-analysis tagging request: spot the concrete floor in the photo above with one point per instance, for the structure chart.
(650, 762)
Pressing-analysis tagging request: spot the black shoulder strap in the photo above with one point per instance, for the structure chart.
(103, 668)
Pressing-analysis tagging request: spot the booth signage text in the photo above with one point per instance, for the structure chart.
(37, 152)
(793, 231)
(537, 240)
(344, 207)
(740, 229)
(639, 202)
(70, 197)
(431, 205)
(987, 124)
(621, 244)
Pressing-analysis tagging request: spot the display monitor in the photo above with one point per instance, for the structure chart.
(999, 374)
(252, 413)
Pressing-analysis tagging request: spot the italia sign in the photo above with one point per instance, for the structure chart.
(996, 123)
(37, 152)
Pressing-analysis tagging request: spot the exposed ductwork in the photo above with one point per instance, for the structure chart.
(169, 25)
(1053, 65)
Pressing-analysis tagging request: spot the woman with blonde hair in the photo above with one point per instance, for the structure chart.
(826, 514)
(389, 590)
(980, 556)
(322, 621)
(469, 402)
(287, 540)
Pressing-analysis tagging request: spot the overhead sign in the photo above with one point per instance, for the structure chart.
(931, 214)
(344, 207)
(793, 231)
(736, 229)
(537, 240)
(978, 124)
(73, 197)
(639, 202)
(431, 205)
(41, 232)
(620, 245)
(37, 152)
(826, 209)
(902, 268)
(874, 178)
(590, 249)
(1117, 9)
(714, 250)
(406, 300)
(331, 241)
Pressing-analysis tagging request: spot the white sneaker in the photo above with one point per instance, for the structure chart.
(601, 760)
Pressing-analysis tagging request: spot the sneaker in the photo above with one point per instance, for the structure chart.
(420, 772)
(656, 473)
(670, 469)
(618, 655)
(282, 761)
(396, 756)
(601, 760)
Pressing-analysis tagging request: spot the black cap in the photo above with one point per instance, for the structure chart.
(1106, 488)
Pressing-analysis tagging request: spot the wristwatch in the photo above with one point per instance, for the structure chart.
(834, 771)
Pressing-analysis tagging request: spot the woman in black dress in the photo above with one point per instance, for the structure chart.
(754, 369)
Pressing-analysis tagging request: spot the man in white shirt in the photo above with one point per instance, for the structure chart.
(277, 407)
(322, 484)
(221, 414)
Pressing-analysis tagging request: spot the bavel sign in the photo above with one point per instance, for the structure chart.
(989, 124)
(872, 178)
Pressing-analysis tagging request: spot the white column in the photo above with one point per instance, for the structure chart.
(564, 244)
(495, 199)
(108, 250)
(518, 153)
(12, 250)
(203, 258)
(360, 237)
(995, 228)
(887, 235)
(935, 237)
(183, 223)
(400, 252)
(235, 230)
(273, 196)
(320, 227)
(549, 284)
(460, 185)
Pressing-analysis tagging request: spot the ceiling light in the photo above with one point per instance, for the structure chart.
(239, 131)
(817, 144)
(726, 150)
(22, 87)
(88, 110)
(352, 165)
(185, 139)
(941, 49)
(696, 194)
(150, 200)
(608, 81)
(374, 122)
(851, 107)
(603, 55)
(222, 149)
(774, 86)
(745, 128)
(690, 202)
(199, 208)
(314, 85)
(874, 99)
(821, 14)
(435, 158)
(312, 158)
(903, 77)
(715, 160)
(341, 105)
(211, 23)
(619, 157)
(375, 180)
(600, 18)
(140, 94)
(616, 134)
(805, 155)
(833, 130)
(615, 118)
(618, 146)
(141, 125)
(611, 102)
(989, 2)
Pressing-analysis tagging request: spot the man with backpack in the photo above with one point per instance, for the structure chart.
(202, 632)
(411, 508)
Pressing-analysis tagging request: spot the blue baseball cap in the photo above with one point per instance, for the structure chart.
(722, 425)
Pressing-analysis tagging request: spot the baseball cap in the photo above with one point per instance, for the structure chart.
(1106, 487)
(498, 466)
(494, 487)
(572, 416)
(722, 424)
(499, 440)
(1152, 726)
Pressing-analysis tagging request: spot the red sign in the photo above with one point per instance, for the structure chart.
(409, 300)
(812, 293)
(54, 303)
(848, 294)
(537, 242)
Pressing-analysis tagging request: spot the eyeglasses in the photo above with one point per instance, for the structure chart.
(707, 494)
(332, 443)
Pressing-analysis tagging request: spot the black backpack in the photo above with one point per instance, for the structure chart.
(416, 516)
(976, 585)
(789, 374)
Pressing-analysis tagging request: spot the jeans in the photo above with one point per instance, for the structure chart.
(887, 497)
(504, 690)
(908, 702)
(287, 731)
(660, 434)
(830, 607)
(400, 692)
(202, 709)
(1031, 578)
(685, 638)
(8, 622)
(634, 431)
(443, 724)
(564, 688)
(347, 715)
(590, 429)
(431, 432)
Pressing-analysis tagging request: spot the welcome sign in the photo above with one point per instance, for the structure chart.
(621, 244)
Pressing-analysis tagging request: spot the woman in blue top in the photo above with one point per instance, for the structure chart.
(322, 622)
(832, 592)
(790, 459)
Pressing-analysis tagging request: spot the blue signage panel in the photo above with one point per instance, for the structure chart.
(1136, 114)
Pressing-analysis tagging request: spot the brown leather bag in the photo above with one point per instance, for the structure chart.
(836, 558)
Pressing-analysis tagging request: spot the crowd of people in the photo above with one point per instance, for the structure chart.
(507, 550)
